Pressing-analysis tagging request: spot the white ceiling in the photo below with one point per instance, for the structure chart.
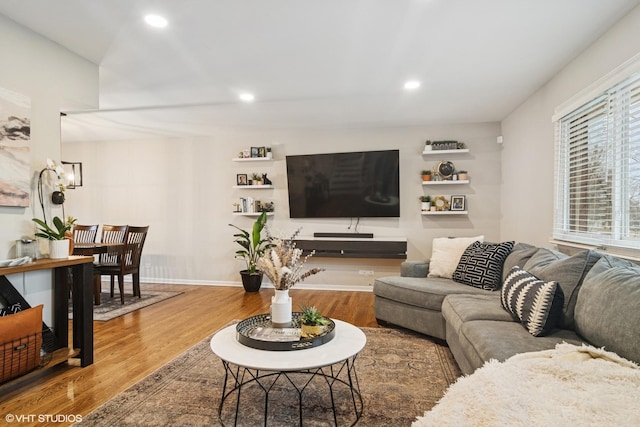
(312, 63)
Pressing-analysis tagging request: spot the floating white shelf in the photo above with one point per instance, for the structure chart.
(252, 159)
(438, 152)
(254, 187)
(445, 212)
(251, 213)
(460, 181)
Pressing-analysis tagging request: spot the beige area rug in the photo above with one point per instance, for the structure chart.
(110, 308)
(401, 375)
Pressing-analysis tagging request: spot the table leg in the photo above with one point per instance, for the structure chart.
(83, 312)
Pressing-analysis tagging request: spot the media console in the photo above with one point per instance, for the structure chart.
(336, 247)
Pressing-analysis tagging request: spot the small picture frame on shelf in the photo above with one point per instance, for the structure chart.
(262, 151)
(458, 203)
(241, 179)
(255, 151)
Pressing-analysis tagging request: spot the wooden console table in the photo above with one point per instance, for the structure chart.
(82, 296)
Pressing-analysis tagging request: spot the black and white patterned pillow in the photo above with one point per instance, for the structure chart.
(535, 303)
(481, 264)
(11, 309)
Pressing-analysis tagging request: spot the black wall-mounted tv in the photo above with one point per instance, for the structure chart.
(344, 185)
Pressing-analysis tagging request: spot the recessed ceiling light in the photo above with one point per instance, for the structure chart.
(412, 84)
(247, 97)
(156, 21)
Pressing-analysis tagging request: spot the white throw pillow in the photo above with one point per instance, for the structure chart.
(446, 253)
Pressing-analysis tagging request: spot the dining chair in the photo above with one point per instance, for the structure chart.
(111, 258)
(129, 261)
(85, 233)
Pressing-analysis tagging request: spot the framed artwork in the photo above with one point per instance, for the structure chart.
(458, 203)
(255, 151)
(15, 156)
(241, 179)
(262, 151)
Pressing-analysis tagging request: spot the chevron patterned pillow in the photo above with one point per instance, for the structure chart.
(535, 303)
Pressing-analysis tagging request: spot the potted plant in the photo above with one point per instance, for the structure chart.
(256, 179)
(426, 175)
(425, 202)
(312, 323)
(253, 247)
(58, 241)
(462, 175)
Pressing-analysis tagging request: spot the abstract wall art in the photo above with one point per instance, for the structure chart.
(15, 159)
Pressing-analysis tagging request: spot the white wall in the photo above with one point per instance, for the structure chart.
(528, 154)
(54, 79)
(182, 188)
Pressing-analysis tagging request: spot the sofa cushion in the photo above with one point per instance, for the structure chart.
(569, 271)
(421, 292)
(460, 308)
(490, 339)
(537, 304)
(520, 254)
(446, 252)
(608, 307)
(481, 264)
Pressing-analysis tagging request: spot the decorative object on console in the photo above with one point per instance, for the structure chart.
(446, 253)
(283, 262)
(253, 247)
(58, 240)
(265, 180)
(481, 264)
(533, 302)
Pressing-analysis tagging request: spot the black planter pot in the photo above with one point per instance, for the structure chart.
(251, 281)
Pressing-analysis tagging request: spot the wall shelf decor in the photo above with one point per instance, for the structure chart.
(445, 173)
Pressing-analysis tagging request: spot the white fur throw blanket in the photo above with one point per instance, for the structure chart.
(567, 386)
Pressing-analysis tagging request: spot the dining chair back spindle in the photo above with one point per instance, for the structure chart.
(85, 233)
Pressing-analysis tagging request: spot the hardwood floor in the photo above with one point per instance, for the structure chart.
(132, 346)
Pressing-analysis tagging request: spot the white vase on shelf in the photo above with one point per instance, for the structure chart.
(281, 309)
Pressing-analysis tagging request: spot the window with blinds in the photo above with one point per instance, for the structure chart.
(598, 170)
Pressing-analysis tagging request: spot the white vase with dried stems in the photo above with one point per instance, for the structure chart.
(283, 264)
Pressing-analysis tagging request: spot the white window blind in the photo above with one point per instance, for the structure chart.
(598, 170)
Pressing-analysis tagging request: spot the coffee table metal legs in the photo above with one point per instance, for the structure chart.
(338, 377)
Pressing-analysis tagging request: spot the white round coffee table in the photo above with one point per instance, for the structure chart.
(333, 361)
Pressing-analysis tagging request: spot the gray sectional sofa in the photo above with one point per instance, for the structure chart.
(601, 306)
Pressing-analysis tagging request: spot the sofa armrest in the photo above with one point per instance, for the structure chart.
(414, 269)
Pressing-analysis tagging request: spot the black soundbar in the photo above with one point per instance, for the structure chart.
(346, 235)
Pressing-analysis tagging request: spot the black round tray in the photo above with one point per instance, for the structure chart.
(247, 334)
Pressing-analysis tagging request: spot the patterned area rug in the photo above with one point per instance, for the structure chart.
(110, 308)
(401, 375)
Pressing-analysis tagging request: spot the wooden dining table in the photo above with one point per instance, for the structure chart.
(90, 249)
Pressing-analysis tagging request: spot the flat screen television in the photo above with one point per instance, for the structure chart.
(344, 185)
